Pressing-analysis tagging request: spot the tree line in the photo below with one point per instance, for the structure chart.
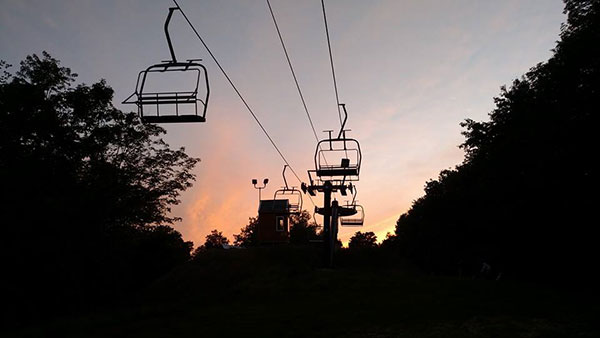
(86, 191)
(522, 201)
(303, 231)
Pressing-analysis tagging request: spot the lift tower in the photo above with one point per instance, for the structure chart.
(337, 165)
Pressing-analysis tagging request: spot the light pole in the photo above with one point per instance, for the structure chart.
(255, 182)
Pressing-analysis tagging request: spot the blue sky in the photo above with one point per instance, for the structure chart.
(409, 72)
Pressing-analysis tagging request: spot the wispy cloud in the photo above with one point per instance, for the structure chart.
(409, 72)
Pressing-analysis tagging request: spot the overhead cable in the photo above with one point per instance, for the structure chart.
(238, 92)
(287, 56)
(337, 97)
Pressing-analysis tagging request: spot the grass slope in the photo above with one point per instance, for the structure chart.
(281, 292)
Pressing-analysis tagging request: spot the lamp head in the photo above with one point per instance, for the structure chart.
(254, 181)
(266, 181)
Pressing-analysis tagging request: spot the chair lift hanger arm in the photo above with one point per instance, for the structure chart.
(171, 10)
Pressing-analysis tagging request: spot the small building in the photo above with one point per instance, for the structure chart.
(273, 221)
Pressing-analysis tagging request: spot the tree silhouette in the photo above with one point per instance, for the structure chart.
(362, 240)
(523, 198)
(53, 132)
(248, 235)
(389, 241)
(301, 230)
(215, 240)
(85, 186)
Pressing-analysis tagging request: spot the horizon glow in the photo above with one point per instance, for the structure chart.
(409, 73)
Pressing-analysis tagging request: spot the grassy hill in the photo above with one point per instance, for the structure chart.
(282, 292)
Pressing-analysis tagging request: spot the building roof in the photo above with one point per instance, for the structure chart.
(274, 206)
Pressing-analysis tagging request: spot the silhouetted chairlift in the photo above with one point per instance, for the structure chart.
(142, 97)
(293, 195)
(352, 214)
(356, 220)
(338, 157)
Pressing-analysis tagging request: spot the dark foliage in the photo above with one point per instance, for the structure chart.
(302, 231)
(86, 189)
(389, 241)
(248, 236)
(523, 198)
(214, 240)
(363, 240)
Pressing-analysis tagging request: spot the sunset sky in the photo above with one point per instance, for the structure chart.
(408, 71)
